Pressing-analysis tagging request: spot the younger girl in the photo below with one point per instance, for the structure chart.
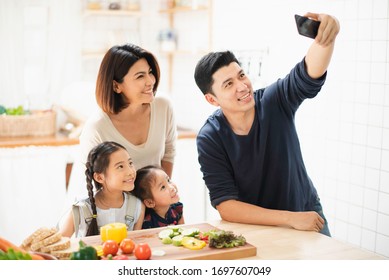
(110, 170)
(159, 194)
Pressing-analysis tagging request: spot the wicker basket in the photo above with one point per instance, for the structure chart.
(38, 123)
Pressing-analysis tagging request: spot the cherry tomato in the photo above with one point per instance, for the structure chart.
(127, 245)
(110, 247)
(142, 251)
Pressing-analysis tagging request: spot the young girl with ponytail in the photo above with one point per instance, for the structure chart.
(110, 176)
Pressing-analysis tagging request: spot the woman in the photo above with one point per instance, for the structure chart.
(130, 113)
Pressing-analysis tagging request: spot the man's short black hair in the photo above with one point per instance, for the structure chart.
(208, 65)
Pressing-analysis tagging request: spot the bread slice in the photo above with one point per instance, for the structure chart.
(36, 236)
(62, 254)
(62, 244)
(45, 234)
(45, 242)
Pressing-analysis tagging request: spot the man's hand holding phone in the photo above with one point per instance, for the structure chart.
(321, 27)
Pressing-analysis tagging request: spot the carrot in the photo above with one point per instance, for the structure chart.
(6, 244)
(36, 257)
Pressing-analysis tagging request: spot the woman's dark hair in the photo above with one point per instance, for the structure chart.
(145, 178)
(208, 65)
(115, 65)
(97, 162)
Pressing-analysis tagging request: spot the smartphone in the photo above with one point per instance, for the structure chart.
(307, 27)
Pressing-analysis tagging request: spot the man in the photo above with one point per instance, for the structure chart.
(248, 149)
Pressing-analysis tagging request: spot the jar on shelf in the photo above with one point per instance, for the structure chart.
(168, 40)
(114, 5)
(94, 5)
(131, 5)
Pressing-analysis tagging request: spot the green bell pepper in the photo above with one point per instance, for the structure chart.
(84, 253)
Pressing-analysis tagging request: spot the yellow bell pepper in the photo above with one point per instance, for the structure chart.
(193, 243)
(113, 231)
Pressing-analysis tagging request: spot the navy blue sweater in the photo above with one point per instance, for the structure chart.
(265, 167)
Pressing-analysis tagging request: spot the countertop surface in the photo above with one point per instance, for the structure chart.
(62, 140)
(279, 243)
(50, 140)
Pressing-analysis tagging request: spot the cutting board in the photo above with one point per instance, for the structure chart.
(172, 252)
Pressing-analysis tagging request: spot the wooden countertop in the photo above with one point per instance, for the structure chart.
(278, 243)
(50, 140)
(62, 140)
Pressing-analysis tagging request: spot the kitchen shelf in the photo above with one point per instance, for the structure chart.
(103, 28)
(171, 13)
(126, 13)
(185, 52)
(184, 9)
(99, 22)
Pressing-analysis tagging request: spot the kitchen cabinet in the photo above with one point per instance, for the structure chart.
(33, 183)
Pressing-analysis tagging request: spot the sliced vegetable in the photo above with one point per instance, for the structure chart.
(167, 240)
(176, 229)
(190, 232)
(177, 240)
(193, 243)
(202, 236)
(166, 233)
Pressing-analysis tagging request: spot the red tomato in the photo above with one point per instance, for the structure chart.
(142, 251)
(110, 247)
(127, 245)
